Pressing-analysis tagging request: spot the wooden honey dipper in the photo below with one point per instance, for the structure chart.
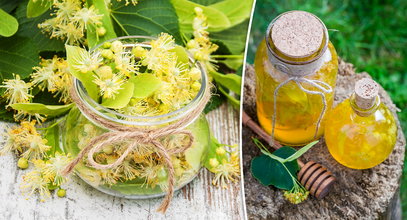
(313, 176)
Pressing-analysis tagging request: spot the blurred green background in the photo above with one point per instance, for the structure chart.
(370, 34)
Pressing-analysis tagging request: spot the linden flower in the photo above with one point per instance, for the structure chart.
(12, 141)
(88, 16)
(227, 171)
(53, 75)
(54, 167)
(88, 61)
(127, 169)
(108, 177)
(36, 147)
(70, 32)
(71, 19)
(17, 91)
(109, 87)
(164, 42)
(125, 64)
(201, 46)
(159, 60)
(22, 115)
(44, 77)
(149, 172)
(36, 181)
(297, 194)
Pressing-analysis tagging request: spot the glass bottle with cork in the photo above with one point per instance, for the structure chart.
(296, 68)
(362, 131)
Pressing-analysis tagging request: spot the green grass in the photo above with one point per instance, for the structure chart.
(370, 34)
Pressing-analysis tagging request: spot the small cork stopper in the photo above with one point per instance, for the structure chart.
(297, 34)
(366, 91)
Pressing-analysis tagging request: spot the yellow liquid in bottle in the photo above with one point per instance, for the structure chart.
(297, 111)
(360, 142)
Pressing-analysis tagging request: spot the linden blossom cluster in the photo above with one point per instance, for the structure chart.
(167, 68)
(51, 75)
(26, 142)
(71, 19)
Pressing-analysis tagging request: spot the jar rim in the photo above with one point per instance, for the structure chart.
(320, 52)
(141, 120)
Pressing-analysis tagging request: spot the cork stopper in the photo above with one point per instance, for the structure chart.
(297, 34)
(366, 91)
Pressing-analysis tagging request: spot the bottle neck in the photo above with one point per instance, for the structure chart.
(361, 111)
(297, 66)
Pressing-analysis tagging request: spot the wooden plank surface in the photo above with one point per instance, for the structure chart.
(198, 200)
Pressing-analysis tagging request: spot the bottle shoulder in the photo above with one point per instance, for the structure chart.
(343, 117)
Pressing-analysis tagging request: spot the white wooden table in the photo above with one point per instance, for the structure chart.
(198, 200)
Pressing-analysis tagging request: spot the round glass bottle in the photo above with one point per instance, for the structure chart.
(362, 131)
(79, 129)
(296, 47)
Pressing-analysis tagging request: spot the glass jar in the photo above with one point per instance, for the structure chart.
(361, 136)
(282, 57)
(127, 180)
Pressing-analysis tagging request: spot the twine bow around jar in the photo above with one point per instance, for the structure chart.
(137, 136)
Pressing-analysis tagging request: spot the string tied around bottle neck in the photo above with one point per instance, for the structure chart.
(323, 88)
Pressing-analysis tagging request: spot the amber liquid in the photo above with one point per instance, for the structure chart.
(297, 111)
(360, 142)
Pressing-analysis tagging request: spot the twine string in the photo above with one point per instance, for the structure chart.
(137, 136)
(322, 86)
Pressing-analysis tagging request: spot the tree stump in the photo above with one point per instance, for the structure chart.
(357, 194)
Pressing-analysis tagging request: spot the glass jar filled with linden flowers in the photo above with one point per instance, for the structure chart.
(138, 129)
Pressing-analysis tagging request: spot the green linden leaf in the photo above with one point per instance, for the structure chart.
(122, 98)
(217, 20)
(17, 57)
(8, 24)
(49, 110)
(52, 135)
(230, 81)
(182, 55)
(236, 10)
(233, 38)
(144, 85)
(73, 57)
(92, 36)
(194, 155)
(36, 8)
(271, 172)
(148, 18)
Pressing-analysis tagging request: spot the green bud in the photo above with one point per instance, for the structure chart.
(61, 193)
(196, 86)
(117, 46)
(139, 51)
(22, 163)
(195, 73)
(107, 54)
(105, 72)
(213, 162)
(101, 31)
(220, 151)
(107, 45)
